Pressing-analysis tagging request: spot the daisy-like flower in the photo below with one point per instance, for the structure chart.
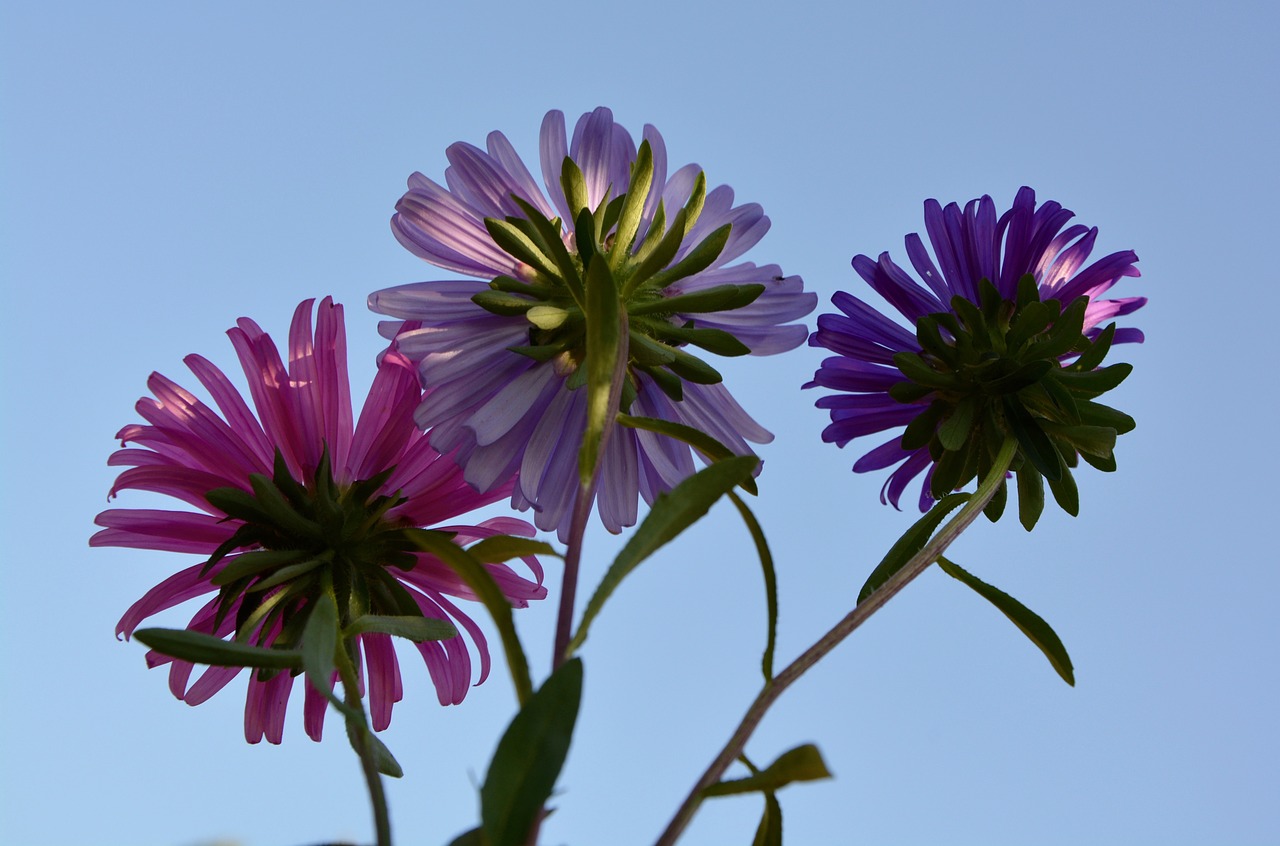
(501, 357)
(1007, 335)
(297, 497)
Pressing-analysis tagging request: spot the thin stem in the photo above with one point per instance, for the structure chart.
(360, 737)
(855, 618)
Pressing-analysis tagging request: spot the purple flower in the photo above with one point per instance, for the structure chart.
(500, 357)
(302, 442)
(973, 250)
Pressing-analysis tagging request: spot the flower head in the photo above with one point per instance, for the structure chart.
(502, 357)
(298, 496)
(1008, 336)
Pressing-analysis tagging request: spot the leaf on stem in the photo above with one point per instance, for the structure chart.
(603, 338)
(708, 446)
(417, 629)
(770, 582)
(911, 542)
(529, 757)
(482, 584)
(1029, 622)
(769, 832)
(670, 515)
(804, 763)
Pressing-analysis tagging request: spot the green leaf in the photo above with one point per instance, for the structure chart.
(499, 302)
(670, 515)
(383, 760)
(602, 344)
(716, 341)
(417, 629)
(702, 256)
(1032, 440)
(709, 447)
(474, 837)
(1095, 381)
(529, 757)
(483, 586)
(954, 433)
(911, 542)
(517, 244)
(201, 648)
(769, 832)
(804, 763)
(319, 644)
(505, 547)
(1031, 624)
(252, 563)
(770, 582)
(1030, 496)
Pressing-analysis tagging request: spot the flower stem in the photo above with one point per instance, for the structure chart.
(855, 618)
(360, 739)
(584, 500)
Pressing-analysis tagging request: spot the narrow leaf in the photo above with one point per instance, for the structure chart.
(201, 648)
(417, 629)
(911, 542)
(670, 515)
(505, 547)
(769, 832)
(1029, 622)
(320, 642)
(483, 586)
(770, 582)
(529, 757)
(709, 447)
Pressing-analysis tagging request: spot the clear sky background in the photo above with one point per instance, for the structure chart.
(166, 170)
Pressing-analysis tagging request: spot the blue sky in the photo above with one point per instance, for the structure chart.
(165, 170)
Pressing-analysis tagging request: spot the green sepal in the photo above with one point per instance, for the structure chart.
(500, 302)
(668, 382)
(602, 350)
(200, 648)
(418, 629)
(920, 431)
(546, 316)
(585, 236)
(549, 240)
(574, 186)
(509, 237)
(1097, 350)
(1092, 440)
(1065, 492)
(654, 258)
(1106, 465)
(911, 542)
(1032, 319)
(249, 564)
(954, 433)
(671, 514)
(633, 209)
(770, 583)
(1028, 622)
(1030, 496)
(1097, 414)
(279, 511)
(291, 572)
(932, 342)
(715, 341)
(693, 369)
(1028, 291)
(529, 758)
(715, 298)
(541, 352)
(1025, 376)
(1032, 441)
(710, 448)
(803, 763)
(481, 582)
(908, 392)
(696, 260)
(648, 352)
(1095, 382)
(917, 370)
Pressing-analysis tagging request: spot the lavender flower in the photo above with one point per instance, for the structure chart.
(1008, 336)
(501, 358)
(374, 478)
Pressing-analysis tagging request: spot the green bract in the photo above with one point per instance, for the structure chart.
(997, 368)
(307, 539)
(555, 293)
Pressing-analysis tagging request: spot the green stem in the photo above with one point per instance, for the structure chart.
(373, 778)
(855, 618)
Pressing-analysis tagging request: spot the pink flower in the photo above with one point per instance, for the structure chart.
(381, 471)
